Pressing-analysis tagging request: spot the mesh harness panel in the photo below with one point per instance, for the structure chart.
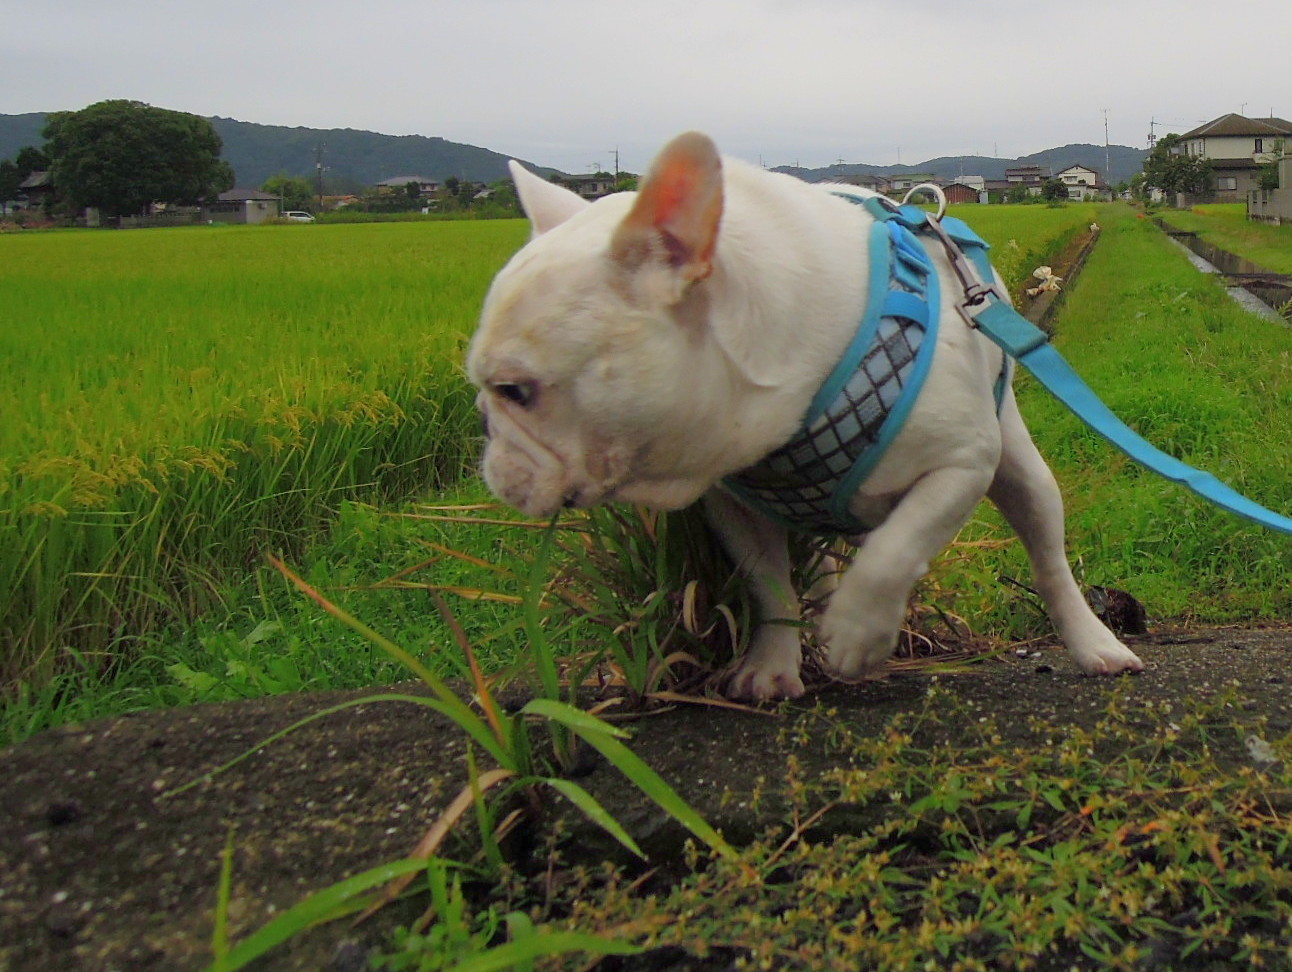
(807, 483)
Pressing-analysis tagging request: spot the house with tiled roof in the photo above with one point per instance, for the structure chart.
(425, 187)
(1083, 183)
(1029, 177)
(1237, 147)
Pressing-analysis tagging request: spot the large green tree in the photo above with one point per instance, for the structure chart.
(120, 156)
(295, 191)
(1171, 172)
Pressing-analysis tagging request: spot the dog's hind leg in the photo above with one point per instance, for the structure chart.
(759, 548)
(1026, 493)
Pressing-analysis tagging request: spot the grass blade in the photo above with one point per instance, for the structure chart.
(601, 737)
(454, 707)
(540, 944)
(317, 907)
(594, 811)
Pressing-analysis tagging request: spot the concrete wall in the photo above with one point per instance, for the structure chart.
(1273, 205)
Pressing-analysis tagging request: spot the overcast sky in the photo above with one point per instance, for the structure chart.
(566, 82)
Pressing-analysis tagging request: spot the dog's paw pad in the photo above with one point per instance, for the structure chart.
(754, 684)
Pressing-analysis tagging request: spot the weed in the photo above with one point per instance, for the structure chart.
(1000, 847)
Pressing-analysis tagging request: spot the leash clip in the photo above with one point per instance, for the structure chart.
(976, 290)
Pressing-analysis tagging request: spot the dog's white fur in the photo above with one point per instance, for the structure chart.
(644, 346)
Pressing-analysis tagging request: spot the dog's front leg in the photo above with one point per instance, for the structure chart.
(760, 550)
(860, 627)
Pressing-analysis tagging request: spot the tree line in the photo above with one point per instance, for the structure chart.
(122, 157)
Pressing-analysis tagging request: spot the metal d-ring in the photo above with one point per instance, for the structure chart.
(934, 191)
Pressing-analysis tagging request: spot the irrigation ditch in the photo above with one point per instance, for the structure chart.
(1256, 288)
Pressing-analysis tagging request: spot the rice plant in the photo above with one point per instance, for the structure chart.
(180, 401)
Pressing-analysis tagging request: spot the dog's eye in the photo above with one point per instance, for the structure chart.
(519, 393)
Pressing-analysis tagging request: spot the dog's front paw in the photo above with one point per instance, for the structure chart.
(1104, 655)
(856, 643)
(770, 670)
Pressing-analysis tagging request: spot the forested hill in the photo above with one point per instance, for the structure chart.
(257, 152)
(351, 158)
(1124, 162)
(354, 158)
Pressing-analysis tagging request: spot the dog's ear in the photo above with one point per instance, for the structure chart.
(546, 204)
(675, 217)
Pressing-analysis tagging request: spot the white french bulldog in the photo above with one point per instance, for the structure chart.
(643, 347)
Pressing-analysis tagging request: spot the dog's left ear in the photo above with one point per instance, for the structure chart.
(546, 204)
(675, 217)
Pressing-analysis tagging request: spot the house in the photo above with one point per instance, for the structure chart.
(901, 183)
(1083, 183)
(425, 187)
(590, 186)
(998, 189)
(35, 189)
(241, 206)
(963, 192)
(1029, 177)
(873, 182)
(1237, 147)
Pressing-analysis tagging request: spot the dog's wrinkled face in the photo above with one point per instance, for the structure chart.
(586, 356)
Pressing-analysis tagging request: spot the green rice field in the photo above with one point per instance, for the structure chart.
(180, 401)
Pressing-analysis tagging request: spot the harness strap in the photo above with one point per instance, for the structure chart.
(970, 243)
(809, 482)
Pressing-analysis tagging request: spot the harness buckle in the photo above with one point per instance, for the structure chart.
(976, 290)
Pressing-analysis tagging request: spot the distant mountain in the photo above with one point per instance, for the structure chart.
(359, 158)
(1124, 162)
(19, 131)
(257, 152)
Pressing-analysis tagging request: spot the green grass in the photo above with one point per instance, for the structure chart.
(179, 401)
(182, 401)
(1227, 226)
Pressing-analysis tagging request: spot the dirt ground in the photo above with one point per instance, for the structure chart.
(102, 868)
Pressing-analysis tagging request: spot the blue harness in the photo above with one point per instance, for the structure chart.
(808, 483)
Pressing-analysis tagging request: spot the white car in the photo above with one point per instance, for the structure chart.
(297, 217)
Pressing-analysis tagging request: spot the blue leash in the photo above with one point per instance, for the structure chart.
(1030, 346)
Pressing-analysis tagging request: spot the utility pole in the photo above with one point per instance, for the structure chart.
(615, 153)
(318, 169)
(1108, 175)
